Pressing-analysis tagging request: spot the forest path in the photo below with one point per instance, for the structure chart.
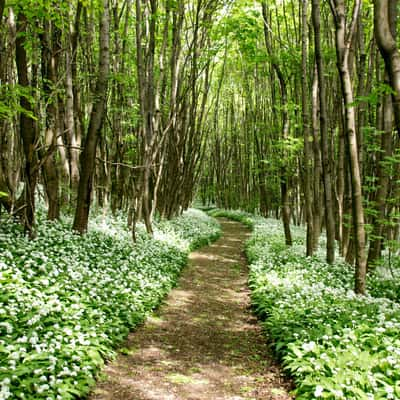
(203, 343)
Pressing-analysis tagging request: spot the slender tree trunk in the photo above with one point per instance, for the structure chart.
(27, 130)
(326, 165)
(340, 187)
(118, 172)
(361, 92)
(285, 196)
(306, 132)
(70, 127)
(344, 35)
(2, 5)
(378, 219)
(49, 74)
(317, 199)
(385, 19)
(77, 117)
(386, 35)
(88, 156)
(71, 111)
(348, 234)
(145, 69)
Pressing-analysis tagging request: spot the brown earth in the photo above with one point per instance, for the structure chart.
(203, 343)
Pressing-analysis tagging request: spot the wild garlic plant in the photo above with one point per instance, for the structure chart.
(67, 300)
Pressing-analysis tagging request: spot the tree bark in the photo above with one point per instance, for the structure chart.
(285, 198)
(385, 19)
(49, 38)
(73, 131)
(145, 69)
(2, 6)
(340, 185)
(317, 198)
(343, 36)
(27, 130)
(378, 218)
(325, 148)
(88, 156)
(306, 132)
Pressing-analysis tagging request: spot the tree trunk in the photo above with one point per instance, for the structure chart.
(385, 19)
(285, 201)
(49, 39)
(325, 148)
(2, 5)
(71, 112)
(340, 186)
(306, 132)
(88, 156)
(317, 199)
(343, 37)
(27, 129)
(378, 219)
(145, 70)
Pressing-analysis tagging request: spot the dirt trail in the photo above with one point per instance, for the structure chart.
(203, 343)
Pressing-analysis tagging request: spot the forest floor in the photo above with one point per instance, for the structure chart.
(203, 343)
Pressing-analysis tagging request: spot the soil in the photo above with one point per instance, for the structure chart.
(203, 343)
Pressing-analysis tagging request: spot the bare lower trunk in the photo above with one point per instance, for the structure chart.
(307, 137)
(317, 207)
(341, 170)
(71, 111)
(344, 34)
(285, 203)
(70, 125)
(378, 219)
(145, 74)
(325, 148)
(49, 39)
(88, 156)
(26, 127)
(286, 211)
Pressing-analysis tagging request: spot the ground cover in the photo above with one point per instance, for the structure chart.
(335, 345)
(203, 343)
(67, 300)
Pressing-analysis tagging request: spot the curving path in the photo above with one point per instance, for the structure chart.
(203, 343)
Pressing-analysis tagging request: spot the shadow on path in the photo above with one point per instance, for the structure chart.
(203, 343)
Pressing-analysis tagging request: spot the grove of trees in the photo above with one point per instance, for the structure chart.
(103, 100)
(289, 108)
(306, 123)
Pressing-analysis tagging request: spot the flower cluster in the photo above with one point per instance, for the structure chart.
(335, 344)
(67, 300)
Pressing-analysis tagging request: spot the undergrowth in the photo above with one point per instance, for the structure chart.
(66, 301)
(335, 344)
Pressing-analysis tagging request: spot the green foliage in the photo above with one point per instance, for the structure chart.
(243, 27)
(67, 300)
(5, 111)
(10, 101)
(235, 215)
(291, 147)
(36, 10)
(375, 96)
(335, 344)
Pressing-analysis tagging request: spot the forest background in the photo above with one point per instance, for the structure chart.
(285, 108)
